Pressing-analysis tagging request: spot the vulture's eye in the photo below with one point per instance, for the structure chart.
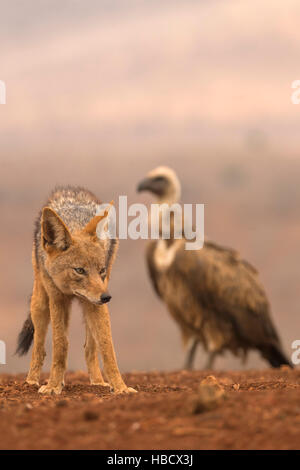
(81, 271)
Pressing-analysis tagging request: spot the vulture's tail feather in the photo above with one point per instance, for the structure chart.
(276, 356)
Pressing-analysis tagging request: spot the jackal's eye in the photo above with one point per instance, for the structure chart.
(102, 272)
(80, 270)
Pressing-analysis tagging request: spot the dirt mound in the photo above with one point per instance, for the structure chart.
(260, 410)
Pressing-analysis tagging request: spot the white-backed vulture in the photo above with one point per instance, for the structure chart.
(215, 297)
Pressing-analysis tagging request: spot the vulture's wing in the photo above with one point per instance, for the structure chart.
(215, 285)
(225, 285)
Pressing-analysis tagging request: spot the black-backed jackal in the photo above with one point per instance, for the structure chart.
(71, 260)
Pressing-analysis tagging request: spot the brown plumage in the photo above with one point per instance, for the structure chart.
(214, 296)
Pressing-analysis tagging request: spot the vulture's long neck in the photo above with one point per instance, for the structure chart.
(165, 251)
(164, 202)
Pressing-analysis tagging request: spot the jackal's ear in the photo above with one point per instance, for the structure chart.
(55, 234)
(98, 222)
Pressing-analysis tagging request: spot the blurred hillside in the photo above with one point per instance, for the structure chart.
(100, 92)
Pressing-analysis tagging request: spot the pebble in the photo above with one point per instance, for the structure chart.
(135, 426)
(28, 407)
(90, 415)
(62, 403)
(210, 394)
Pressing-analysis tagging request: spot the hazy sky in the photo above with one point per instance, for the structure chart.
(195, 69)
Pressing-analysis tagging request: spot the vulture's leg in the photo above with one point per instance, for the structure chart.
(211, 359)
(189, 362)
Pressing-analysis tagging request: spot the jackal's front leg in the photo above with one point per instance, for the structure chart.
(92, 360)
(59, 313)
(97, 318)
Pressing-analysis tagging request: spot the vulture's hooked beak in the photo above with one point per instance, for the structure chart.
(144, 185)
(156, 185)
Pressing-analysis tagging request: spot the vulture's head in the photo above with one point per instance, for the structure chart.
(163, 183)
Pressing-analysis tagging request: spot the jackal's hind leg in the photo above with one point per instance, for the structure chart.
(92, 360)
(40, 315)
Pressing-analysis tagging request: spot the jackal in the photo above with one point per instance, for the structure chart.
(71, 260)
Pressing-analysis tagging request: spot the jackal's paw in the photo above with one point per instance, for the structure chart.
(124, 390)
(130, 390)
(32, 382)
(99, 382)
(50, 389)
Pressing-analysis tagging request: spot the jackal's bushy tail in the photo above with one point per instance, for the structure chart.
(25, 337)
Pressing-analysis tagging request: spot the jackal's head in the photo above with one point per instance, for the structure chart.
(76, 262)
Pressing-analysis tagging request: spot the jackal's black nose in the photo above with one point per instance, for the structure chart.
(105, 298)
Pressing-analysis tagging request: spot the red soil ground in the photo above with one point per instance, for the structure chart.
(261, 411)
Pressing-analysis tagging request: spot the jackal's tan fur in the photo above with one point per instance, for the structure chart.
(69, 261)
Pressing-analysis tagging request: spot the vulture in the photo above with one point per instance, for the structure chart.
(214, 296)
